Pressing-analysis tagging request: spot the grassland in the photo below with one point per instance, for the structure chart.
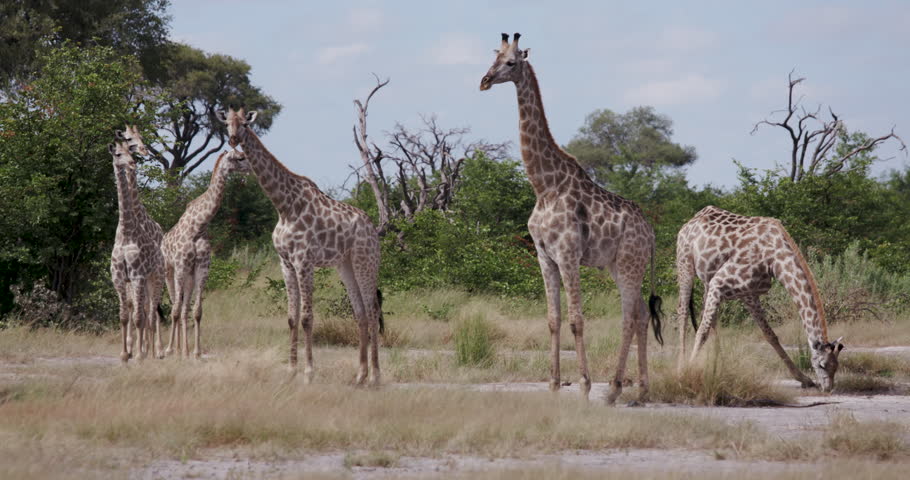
(67, 405)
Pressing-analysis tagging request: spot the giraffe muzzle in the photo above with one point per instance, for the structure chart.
(485, 83)
(233, 141)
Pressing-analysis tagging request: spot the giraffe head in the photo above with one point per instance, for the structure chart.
(133, 139)
(122, 154)
(509, 63)
(235, 120)
(233, 161)
(824, 362)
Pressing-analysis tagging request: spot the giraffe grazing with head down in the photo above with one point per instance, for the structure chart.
(313, 231)
(137, 266)
(736, 257)
(187, 253)
(133, 140)
(576, 222)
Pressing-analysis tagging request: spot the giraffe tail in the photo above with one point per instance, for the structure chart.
(379, 307)
(654, 305)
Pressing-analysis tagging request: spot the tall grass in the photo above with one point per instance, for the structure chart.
(474, 342)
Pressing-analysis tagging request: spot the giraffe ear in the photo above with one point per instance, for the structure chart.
(524, 53)
(119, 135)
(133, 148)
(221, 115)
(111, 148)
(251, 116)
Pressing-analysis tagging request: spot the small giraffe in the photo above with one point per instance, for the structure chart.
(130, 135)
(315, 231)
(187, 252)
(576, 222)
(736, 257)
(137, 266)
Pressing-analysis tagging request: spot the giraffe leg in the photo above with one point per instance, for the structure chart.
(366, 270)
(305, 284)
(349, 278)
(203, 263)
(154, 302)
(571, 280)
(631, 300)
(172, 293)
(552, 283)
(685, 278)
(178, 309)
(758, 315)
(187, 289)
(125, 308)
(713, 298)
(641, 334)
(140, 301)
(293, 291)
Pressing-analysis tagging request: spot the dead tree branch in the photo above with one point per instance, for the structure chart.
(372, 158)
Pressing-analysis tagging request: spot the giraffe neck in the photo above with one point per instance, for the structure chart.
(548, 166)
(274, 178)
(126, 200)
(141, 214)
(200, 212)
(801, 284)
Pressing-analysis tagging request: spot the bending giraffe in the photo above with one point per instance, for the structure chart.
(188, 254)
(313, 231)
(736, 257)
(576, 222)
(137, 266)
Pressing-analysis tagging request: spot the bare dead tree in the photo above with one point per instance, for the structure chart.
(372, 158)
(426, 163)
(814, 140)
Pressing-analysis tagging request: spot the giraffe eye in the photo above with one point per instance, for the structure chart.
(510, 63)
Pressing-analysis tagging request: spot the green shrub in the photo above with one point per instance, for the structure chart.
(474, 342)
(222, 274)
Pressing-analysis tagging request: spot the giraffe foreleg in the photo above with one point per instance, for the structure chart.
(140, 301)
(203, 264)
(125, 310)
(293, 292)
(552, 282)
(713, 299)
(758, 315)
(305, 283)
(571, 280)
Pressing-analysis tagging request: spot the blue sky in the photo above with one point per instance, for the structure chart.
(715, 68)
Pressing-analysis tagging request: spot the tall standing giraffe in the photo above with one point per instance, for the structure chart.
(187, 253)
(133, 140)
(315, 230)
(137, 266)
(576, 222)
(736, 257)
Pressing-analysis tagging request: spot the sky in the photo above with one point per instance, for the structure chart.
(714, 67)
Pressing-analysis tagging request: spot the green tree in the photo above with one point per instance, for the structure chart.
(614, 147)
(131, 27)
(58, 201)
(495, 194)
(195, 84)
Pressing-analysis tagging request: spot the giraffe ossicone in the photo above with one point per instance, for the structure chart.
(736, 257)
(576, 222)
(315, 231)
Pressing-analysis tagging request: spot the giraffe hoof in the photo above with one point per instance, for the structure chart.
(566, 384)
(124, 357)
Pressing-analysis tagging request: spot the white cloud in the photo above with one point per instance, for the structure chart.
(365, 19)
(690, 88)
(458, 49)
(335, 53)
(648, 66)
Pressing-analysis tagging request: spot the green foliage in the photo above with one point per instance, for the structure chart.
(222, 274)
(473, 342)
(58, 200)
(494, 194)
(137, 28)
(611, 144)
(439, 250)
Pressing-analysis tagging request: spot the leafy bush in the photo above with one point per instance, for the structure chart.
(222, 274)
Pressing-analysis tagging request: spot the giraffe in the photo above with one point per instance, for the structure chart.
(133, 139)
(736, 257)
(315, 231)
(576, 222)
(137, 266)
(187, 252)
